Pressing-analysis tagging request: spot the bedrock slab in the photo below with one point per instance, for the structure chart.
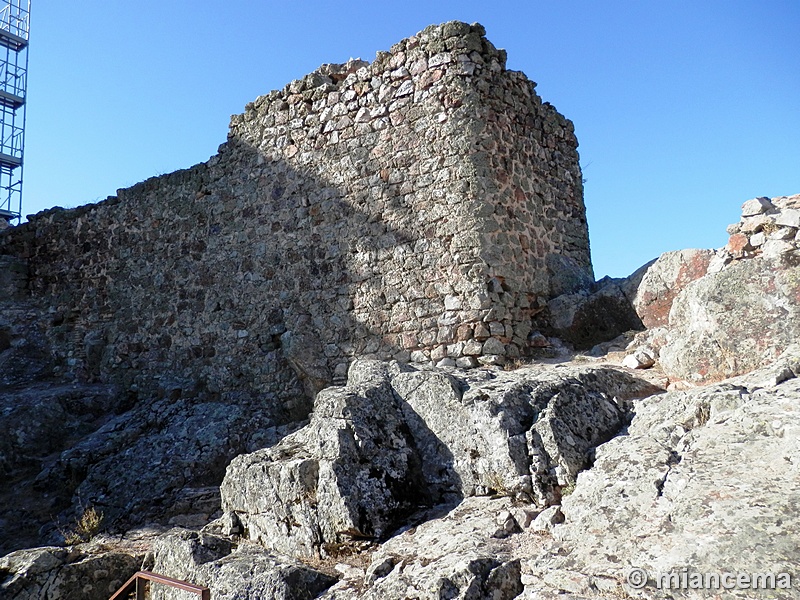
(396, 438)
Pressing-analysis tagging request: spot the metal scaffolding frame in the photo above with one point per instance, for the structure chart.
(15, 19)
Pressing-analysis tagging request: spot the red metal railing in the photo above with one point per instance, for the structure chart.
(139, 582)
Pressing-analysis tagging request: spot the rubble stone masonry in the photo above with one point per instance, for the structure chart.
(422, 207)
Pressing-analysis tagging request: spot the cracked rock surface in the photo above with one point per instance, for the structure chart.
(465, 552)
(396, 439)
(733, 321)
(705, 480)
(55, 572)
(246, 571)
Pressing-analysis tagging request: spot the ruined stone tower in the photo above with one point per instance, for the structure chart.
(422, 207)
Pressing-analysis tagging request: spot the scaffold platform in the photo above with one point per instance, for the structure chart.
(14, 37)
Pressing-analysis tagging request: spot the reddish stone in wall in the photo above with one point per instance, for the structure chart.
(737, 244)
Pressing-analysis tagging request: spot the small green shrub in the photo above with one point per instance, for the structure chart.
(567, 489)
(85, 528)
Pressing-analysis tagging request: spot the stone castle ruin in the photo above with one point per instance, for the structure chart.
(159, 352)
(422, 207)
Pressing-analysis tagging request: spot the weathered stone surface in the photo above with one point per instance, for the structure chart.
(547, 519)
(422, 207)
(758, 239)
(523, 433)
(789, 217)
(25, 355)
(36, 423)
(756, 206)
(246, 571)
(662, 497)
(162, 459)
(588, 318)
(66, 447)
(664, 279)
(785, 202)
(738, 245)
(670, 495)
(365, 210)
(61, 573)
(13, 278)
(734, 321)
(642, 358)
(777, 248)
(462, 555)
(351, 473)
(763, 220)
(396, 438)
(41, 419)
(567, 276)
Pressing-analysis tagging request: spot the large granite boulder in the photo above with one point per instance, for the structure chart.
(396, 439)
(704, 481)
(734, 321)
(352, 473)
(663, 280)
(524, 434)
(60, 573)
(246, 571)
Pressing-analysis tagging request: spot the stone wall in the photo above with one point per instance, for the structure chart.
(422, 207)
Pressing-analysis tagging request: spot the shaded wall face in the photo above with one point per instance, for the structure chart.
(398, 210)
(438, 128)
(534, 234)
(536, 188)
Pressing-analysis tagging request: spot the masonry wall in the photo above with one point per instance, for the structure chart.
(422, 207)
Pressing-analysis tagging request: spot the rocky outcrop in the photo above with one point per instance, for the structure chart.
(396, 439)
(246, 571)
(55, 572)
(670, 496)
(36, 424)
(664, 496)
(716, 314)
(596, 314)
(350, 473)
(734, 321)
(465, 553)
(41, 415)
(663, 280)
(162, 460)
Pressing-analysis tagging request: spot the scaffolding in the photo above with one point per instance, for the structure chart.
(14, 31)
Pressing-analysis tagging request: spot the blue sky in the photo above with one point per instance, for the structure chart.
(683, 110)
